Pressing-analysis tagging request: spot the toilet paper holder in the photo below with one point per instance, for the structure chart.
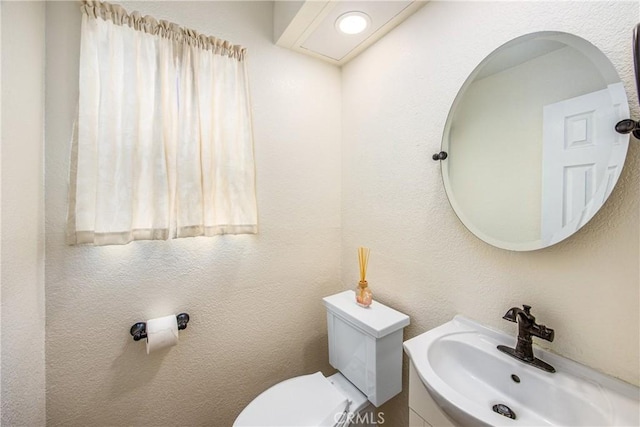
(139, 330)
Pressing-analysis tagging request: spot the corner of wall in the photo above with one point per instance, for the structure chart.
(22, 320)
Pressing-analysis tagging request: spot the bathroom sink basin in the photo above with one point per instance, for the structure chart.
(467, 376)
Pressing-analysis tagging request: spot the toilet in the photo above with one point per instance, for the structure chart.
(365, 346)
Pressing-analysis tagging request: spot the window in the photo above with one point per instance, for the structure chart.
(163, 145)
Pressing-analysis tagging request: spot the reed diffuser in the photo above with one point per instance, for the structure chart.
(363, 294)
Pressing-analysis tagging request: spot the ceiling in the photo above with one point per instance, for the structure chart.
(309, 26)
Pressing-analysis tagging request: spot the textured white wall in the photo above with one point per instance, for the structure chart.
(23, 311)
(396, 97)
(255, 301)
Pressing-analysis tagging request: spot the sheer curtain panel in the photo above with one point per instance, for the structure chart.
(163, 144)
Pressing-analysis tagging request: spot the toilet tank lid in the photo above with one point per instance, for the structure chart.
(377, 320)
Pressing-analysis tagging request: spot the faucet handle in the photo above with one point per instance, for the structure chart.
(527, 308)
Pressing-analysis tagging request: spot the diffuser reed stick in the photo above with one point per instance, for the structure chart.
(363, 294)
(363, 258)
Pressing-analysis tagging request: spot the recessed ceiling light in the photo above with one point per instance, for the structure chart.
(353, 22)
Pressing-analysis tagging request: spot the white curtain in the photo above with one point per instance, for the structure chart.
(163, 146)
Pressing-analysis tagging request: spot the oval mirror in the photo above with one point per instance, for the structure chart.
(532, 150)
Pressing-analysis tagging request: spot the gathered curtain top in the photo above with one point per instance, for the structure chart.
(169, 30)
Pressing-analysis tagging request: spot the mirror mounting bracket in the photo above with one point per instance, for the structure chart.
(440, 156)
(628, 125)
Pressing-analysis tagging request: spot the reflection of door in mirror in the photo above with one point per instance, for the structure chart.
(575, 158)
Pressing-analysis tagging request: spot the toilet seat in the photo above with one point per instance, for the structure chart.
(307, 400)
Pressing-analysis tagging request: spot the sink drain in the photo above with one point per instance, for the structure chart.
(504, 410)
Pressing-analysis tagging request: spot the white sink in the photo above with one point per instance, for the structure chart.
(467, 375)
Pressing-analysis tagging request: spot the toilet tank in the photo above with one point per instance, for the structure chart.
(365, 345)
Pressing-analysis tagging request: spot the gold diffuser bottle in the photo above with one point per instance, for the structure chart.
(363, 294)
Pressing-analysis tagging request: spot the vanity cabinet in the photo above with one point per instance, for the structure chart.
(423, 410)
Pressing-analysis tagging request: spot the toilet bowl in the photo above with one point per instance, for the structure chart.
(365, 346)
(307, 400)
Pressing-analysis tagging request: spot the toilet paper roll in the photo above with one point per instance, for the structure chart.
(162, 333)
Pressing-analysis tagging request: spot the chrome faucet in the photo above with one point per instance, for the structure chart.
(527, 327)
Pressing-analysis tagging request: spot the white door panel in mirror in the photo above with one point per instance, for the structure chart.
(532, 149)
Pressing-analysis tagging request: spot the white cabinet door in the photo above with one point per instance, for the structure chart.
(421, 402)
(415, 420)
